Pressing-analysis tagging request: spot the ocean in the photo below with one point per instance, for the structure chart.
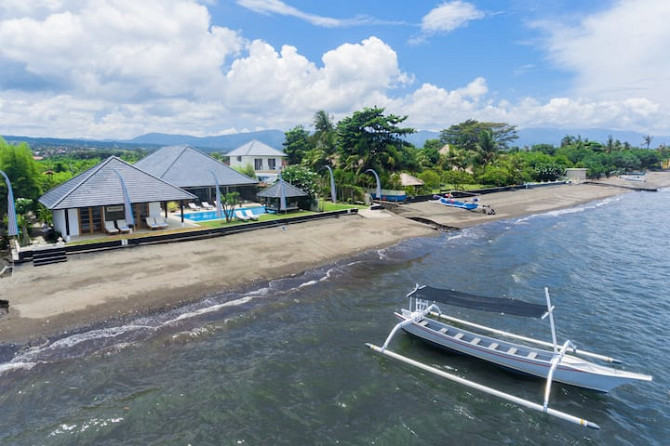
(285, 363)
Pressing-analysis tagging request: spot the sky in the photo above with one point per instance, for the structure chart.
(116, 69)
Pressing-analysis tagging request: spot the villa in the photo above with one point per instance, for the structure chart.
(197, 173)
(266, 161)
(95, 201)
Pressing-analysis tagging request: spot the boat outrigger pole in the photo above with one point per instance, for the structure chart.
(485, 389)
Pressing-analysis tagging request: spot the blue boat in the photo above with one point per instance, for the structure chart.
(467, 205)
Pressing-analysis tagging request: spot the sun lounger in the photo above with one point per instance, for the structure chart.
(110, 228)
(240, 216)
(193, 207)
(206, 205)
(151, 223)
(123, 226)
(160, 221)
(250, 215)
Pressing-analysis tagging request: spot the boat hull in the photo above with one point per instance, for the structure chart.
(532, 361)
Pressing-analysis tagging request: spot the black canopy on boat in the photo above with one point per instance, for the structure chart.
(465, 300)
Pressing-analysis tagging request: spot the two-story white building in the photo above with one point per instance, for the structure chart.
(266, 161)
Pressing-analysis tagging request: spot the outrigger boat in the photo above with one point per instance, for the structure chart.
(449, 200)
(452, 202)
(548, 360)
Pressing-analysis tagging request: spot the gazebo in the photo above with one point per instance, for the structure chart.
(282, 197)
(106, 192)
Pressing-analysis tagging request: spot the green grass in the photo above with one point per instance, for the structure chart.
(329, 206)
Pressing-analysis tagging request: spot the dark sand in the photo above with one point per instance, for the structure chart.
(93, 288)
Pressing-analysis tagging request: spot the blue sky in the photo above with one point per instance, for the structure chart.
(122, 68)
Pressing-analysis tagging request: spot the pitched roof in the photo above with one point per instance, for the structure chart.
(185, 166)
(274, 191)
(255, 148)
(408, 180)
(100, 186)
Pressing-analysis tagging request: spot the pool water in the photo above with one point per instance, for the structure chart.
(211, 215)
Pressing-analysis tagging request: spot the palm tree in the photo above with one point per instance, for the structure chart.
(487, 147)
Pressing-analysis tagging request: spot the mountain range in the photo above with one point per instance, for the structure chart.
(275, 138)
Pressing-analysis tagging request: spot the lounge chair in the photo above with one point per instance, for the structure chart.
(123, 226)
(160, 221)
(250, 215)
(240, 216)
(151, 223)
(206, 205)
(110, 228)
(193, 207)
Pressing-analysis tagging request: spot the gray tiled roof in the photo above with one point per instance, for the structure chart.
(100, 186)
(255, 148)
(185, 166)
(274, 191)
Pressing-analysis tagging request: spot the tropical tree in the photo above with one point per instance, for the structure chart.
(18, 163)
(467, 134)
(247, 170)
(302, 178)
(322, 142)
(228, 203)
(296, 144)
(371, 140)
(487, 146)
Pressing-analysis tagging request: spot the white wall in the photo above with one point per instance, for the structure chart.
(59, 220)
(73, 217)
(154, 209)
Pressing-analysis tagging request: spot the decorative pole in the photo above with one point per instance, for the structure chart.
(333, 195)
(130, 220)
(379, 187)
(282, 194)
(12, 228)
(219, 209)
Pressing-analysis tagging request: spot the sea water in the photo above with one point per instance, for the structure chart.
(285, 363)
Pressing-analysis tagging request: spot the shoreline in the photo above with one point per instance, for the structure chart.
(96, 289)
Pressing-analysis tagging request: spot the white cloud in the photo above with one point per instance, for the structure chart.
(120, 68)
(446, 18)
(618, 53)
(450, 16)
(122, 49)
(269, 7)
(281, 8)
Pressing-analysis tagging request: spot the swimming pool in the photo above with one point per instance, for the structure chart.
(211, 215)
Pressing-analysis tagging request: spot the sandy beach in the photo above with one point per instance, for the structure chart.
(93, 288)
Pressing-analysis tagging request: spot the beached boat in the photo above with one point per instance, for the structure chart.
(548, 360)
(452, 202)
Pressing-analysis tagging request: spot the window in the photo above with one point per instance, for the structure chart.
(272, 164)
(258, 164)
(239, 159)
